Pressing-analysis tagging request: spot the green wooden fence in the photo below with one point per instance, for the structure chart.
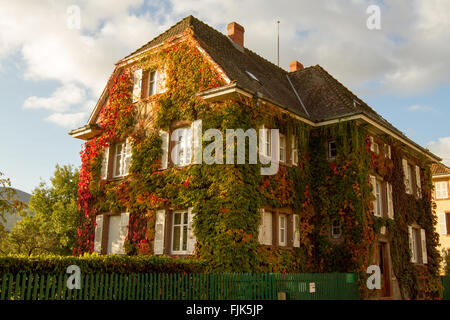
(446, 285)
(150, 286)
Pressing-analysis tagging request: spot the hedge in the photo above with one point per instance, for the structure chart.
(94, 263)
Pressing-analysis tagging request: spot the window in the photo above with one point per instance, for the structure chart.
(379, 205)
(294, 151)
(417, 245)
(408, 176)
(282, 148)
(152, 83)
(183, 138)
(282, 229)
(336, 229)
(332, 150)
(122, 159)
(179, 232)
(117, 230)
(278, 227)
(441, 190)
(377, 189)
(174, 232)
(444, 222)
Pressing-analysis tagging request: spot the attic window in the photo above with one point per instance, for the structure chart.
(251, 75)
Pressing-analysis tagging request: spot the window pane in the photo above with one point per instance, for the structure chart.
(185, 237)
(176, 238)
(177, 218)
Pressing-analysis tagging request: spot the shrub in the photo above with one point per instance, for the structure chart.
(94, 263)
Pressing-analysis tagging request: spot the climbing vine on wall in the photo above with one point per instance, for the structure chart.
(227, 198)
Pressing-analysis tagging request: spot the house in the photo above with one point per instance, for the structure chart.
(350, 190)
(441, 179)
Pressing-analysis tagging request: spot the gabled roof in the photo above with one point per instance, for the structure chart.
(439, 169)
(237, 62)
(311, 93)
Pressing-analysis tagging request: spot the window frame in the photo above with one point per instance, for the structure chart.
(294, 150)
(339, 227)
(441, 192)
(282, 229)
(120, 159)
(379, 197)
(184, 232)
(152, 84)
(185, 146)
(282, 148)
(330, 156)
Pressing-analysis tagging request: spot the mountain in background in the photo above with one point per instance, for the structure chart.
(11, 219)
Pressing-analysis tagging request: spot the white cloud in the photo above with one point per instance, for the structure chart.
(409, 55)
(67, 120)
(421, 108)
(441, 148)
(61, 99)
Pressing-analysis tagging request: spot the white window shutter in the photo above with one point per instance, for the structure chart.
(373, 181)
(191, 238)
(294, 150)
(372, 146)
(159, 232)
(419, 183)
(296, 230)
(387, 151)
(124, 220)
(98, 233)
(165, 149)
(128, 153)
(104, 170)
(405, 174)
(442, 223)
(137, 84)
(196, 145)
(390, 201)
(262, 142)
(268, 228)
(411, 244)
(162, 75)
(424, 246)
(261, 227)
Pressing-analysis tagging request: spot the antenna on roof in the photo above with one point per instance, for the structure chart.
(278, 47)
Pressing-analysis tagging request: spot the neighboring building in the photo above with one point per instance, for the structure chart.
(441, 196)
(351, 189)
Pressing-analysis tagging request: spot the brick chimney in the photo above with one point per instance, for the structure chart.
(236, 33)
(295, 66)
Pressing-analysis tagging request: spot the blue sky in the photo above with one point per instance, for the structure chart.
(51, 74)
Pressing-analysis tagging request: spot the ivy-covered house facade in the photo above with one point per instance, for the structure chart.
(350, 191)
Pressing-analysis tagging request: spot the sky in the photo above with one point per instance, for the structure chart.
(56, 56)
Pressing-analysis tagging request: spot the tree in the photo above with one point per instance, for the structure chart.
(53, 227)
(8, 203)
